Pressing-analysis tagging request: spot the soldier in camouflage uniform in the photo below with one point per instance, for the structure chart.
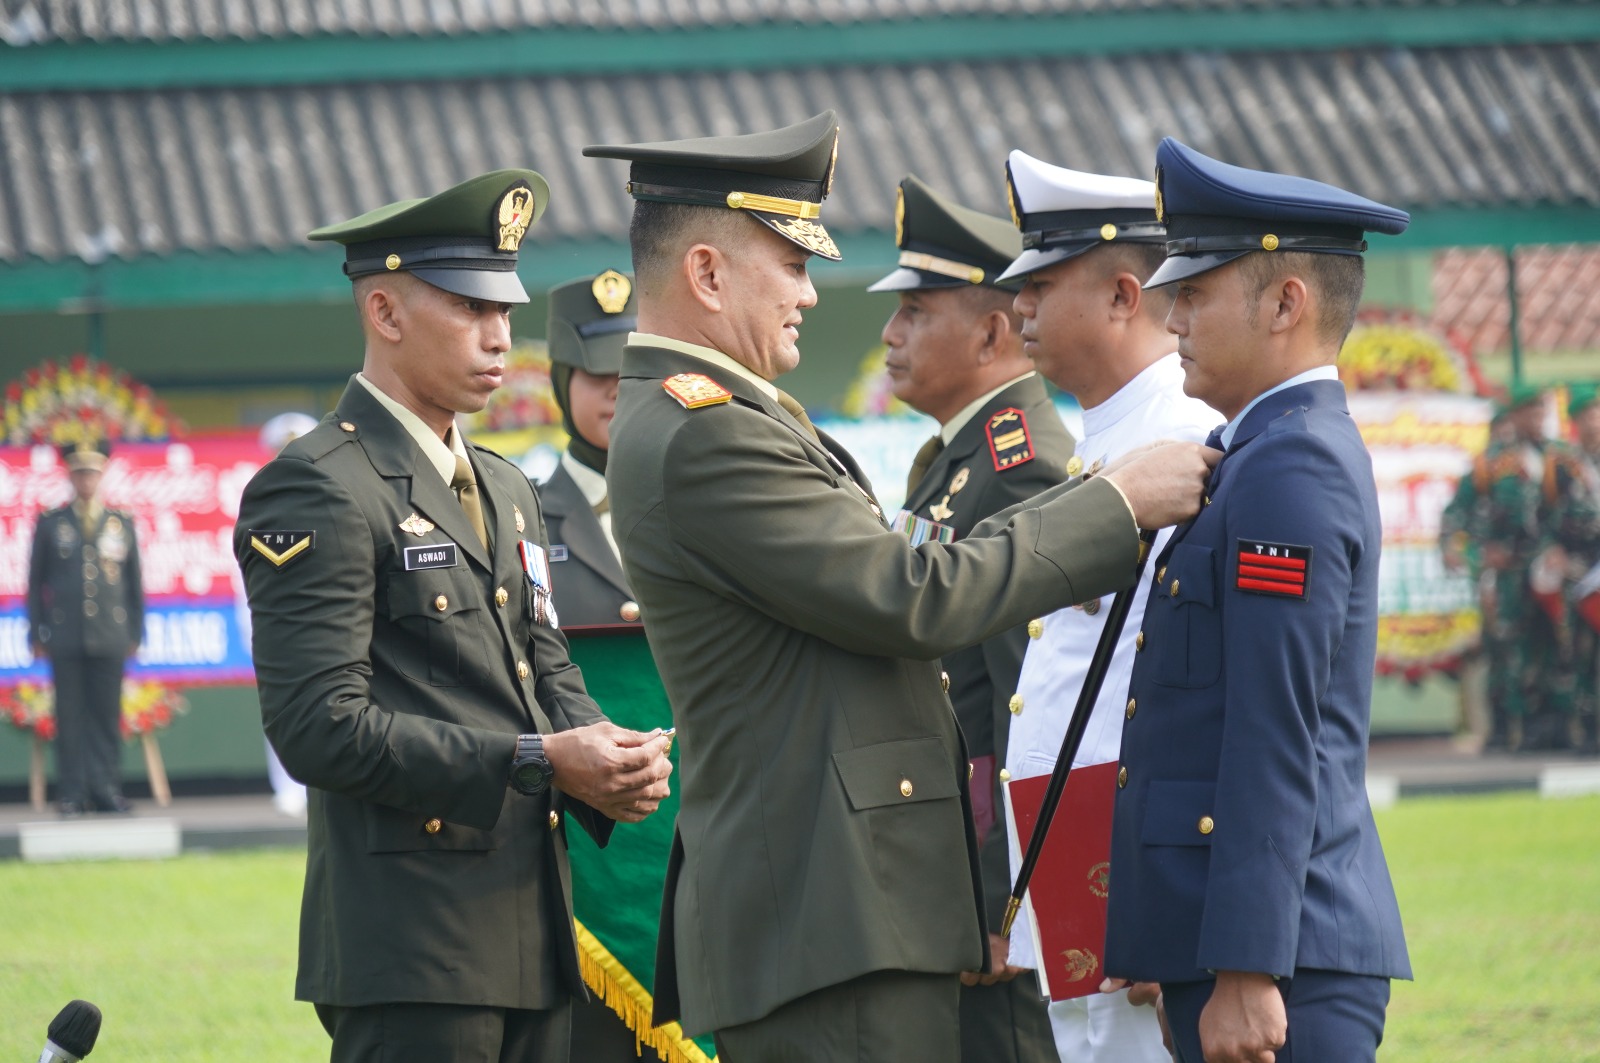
(1524, 507)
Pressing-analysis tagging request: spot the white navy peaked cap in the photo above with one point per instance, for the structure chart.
(1062, 213)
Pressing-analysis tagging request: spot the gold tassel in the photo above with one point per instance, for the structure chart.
(609, 980)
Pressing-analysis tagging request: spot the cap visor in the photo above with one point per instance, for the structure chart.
(1177, 267)
(495, 286)
(802, 232)
(1036, 258)
(906, 279)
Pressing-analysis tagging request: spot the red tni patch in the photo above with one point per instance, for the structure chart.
(1273, 568)
(1010, 444)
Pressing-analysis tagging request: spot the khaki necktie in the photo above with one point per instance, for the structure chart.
(922, 463)
(797, 411)
(466, 488)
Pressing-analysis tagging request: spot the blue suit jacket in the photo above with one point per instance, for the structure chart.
(1243, 839)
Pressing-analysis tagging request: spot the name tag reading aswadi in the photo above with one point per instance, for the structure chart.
(434, 555)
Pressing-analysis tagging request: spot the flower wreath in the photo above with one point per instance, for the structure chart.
(147, 707)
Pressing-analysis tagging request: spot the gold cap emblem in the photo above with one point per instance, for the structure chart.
(611, 290)
(833, 164)
(1011, 200)
(899, 217)
(514, 213)
(1161, 213)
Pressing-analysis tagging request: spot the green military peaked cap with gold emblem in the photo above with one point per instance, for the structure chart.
(463, 240)
(945, 245)
(779, 177)
(590, 319)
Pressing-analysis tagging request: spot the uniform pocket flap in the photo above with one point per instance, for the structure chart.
(427, 594)
(394, 830)
(913, 769)
(1190, 577)
(1179, 813)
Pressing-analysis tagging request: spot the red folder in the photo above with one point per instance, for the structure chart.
(1066, 900)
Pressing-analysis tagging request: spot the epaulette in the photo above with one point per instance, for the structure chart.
(322, 440)
(694, 390)
(1010, 444)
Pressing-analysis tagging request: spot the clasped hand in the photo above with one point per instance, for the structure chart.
(618, 772)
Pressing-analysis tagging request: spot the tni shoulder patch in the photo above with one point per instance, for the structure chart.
(693, 390)
(282, 547)
(1274, 568)
(1010, 444)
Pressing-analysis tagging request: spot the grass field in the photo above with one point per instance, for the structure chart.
(192, 960)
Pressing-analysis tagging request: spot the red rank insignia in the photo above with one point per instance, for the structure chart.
(1273, 568)
(1009, 442)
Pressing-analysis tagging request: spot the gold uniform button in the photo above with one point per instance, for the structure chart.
(441, 603)
(944, 681)
(90, 572)
(1133, 707)
(1016, 704)
(1207, 825)
(1092, 606)
(432, 826)
(1005, 776)
(1174, 588)
(1161, 574)
(1074, 465)
(347, 426)
(1122, 778)
(555, 819)
(523, 671)
(629, 611)
(90, 609)
(1138, 641)
(501, 597)
(1035, 629)
(906, 787)
(1206, 499)
(970, 770)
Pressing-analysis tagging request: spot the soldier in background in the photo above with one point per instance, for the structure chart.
(955, 354)
(590, 319)
(1583, 407)
(1525, 507)
(86, 616)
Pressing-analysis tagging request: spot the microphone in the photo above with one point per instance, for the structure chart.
(72, 1033)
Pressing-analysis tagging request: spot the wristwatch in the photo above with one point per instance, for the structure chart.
(530, 768)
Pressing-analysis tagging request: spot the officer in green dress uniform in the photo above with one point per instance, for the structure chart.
(411, 670)
(589, 322)
(823, 893)
(86, 616)
(955, 354)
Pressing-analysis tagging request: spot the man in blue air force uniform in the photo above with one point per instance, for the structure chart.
(1246, 872)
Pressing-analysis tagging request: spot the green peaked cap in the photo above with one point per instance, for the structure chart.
(1580, 397)
(464, 240)
(589, 322)
(779, 177)
(945, 245)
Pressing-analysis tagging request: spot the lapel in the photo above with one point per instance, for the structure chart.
(970, 438)
(581, 533)
(395, 455)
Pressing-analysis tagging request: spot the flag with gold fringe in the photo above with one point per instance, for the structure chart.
(616, 892)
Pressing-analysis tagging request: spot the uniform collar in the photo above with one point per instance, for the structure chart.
(591, 485)
(1159, 377)
(1321, 372)
(440, 454)
(707, 354)
(950, 428)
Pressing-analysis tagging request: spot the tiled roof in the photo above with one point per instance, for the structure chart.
(1555, 293)
(153, 172)
(38, 21)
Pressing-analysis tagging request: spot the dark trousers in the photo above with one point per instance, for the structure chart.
(446, 1033)
(883, 1017)
(1006, 1023)
(600, 1036)
(1332, 1016)
(88, 728)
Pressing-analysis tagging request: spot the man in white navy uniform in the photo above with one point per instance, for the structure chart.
(1090, 242)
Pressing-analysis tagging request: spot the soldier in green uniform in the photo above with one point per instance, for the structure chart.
(589, 321)
(1583, 408)
(86, 617)
(823, 891)
(1523, 508)
(955, 354)
(411, 672)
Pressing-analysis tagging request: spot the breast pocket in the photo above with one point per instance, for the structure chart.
(1184, 623)
(439, 617)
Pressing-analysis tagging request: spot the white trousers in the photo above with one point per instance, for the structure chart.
(1105, 1028)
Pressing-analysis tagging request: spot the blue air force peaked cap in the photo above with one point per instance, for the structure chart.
(463, 240)
(1063, 213)
(1216, 212)
(779, 177)
(945, 245)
